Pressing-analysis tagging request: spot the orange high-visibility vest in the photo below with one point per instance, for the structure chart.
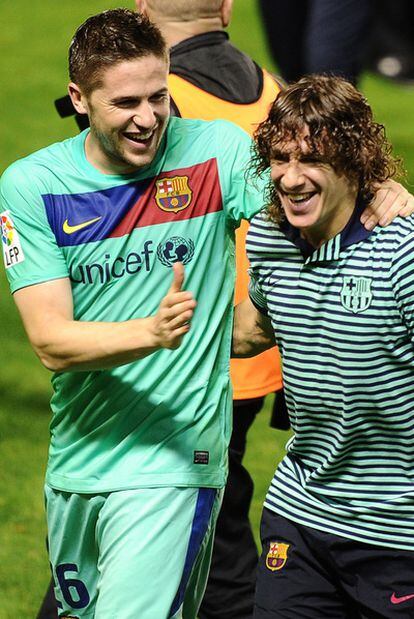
(259, 375)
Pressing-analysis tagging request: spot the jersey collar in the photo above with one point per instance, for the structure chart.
(354, 232)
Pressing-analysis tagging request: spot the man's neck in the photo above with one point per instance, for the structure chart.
(177, 31)
(319, 234)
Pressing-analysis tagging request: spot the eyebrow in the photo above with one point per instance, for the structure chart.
(126, 98)
(279, 154)
(284, 156)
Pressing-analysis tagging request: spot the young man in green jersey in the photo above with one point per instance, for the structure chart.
(210, 78)
(338, 300)
(92, 229)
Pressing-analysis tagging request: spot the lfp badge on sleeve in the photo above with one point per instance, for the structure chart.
(12, 249)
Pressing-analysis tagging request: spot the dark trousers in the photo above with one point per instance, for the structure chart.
(305, 573)
(317, 36)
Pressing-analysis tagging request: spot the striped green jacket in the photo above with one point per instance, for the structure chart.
(343, 316)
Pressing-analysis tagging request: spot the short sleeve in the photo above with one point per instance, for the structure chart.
(242, 192)
(31, 254)
(402, 277)
(256, 294)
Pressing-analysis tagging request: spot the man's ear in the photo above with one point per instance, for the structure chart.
(226, 9)
(78, 98)
(141, 6)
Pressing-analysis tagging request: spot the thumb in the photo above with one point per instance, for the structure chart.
(178, 269)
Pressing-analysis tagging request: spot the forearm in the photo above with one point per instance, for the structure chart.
(65, 344)
(252, 331)
(76, 345)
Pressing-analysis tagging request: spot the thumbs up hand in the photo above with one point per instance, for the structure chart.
(175, 312)
(178, 278)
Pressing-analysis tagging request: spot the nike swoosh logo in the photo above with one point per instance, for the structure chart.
(400, 600)
(68, 229)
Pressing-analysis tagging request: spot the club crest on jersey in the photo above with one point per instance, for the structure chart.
(356, 295)
(277, 556)
(12, 249)
(173, 194)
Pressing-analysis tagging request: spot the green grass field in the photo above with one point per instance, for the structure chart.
(33, 49)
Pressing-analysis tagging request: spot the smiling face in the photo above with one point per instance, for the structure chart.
(313, 196)
(128, 114)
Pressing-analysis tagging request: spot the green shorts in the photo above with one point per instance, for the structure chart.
(132, 554)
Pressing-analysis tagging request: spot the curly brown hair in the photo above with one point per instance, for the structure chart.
(341, 131)
(109, 37)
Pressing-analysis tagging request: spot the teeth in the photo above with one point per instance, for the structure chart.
(300, 197)
(141, 137)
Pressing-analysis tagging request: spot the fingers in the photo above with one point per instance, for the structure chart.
(178, 326)
(407, 208)
(175, 294)
(178, 277)
(176, 337)
(368, 219)
(175, 311)
(391, 200)
(174, 323)
(393, 205)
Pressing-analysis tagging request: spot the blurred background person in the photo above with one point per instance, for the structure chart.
(317, 36)
(391, 49)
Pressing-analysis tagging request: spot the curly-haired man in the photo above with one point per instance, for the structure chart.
(338, 300)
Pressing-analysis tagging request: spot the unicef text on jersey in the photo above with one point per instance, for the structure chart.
(174, 249)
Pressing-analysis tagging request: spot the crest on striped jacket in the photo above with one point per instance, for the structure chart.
(356, 295)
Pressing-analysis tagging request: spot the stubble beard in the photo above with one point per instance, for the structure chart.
(111, 148)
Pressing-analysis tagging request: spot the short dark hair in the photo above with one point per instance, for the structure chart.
(341, 130)
(110, 37)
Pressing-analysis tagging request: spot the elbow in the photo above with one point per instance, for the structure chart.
(244, 346)
(49, 358)
(243, 352)
(52, 363)
(240, 347)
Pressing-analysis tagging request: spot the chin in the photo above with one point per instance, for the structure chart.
(135, 163)
(141, 159)
(301, 220)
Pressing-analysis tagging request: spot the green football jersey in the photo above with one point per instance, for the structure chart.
(163, 420)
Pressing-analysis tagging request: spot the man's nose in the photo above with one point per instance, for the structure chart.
(293, 176)
(144, 115)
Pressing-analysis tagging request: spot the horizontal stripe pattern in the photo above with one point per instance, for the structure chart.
(343, 319)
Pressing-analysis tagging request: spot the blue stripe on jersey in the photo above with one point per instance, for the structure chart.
(201, 521)
(94, 210)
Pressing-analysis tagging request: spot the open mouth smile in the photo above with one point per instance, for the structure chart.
(139, 138)
(300, 198)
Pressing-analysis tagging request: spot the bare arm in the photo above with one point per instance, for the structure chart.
(252, 331)
(391, 199)
(63, 343)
